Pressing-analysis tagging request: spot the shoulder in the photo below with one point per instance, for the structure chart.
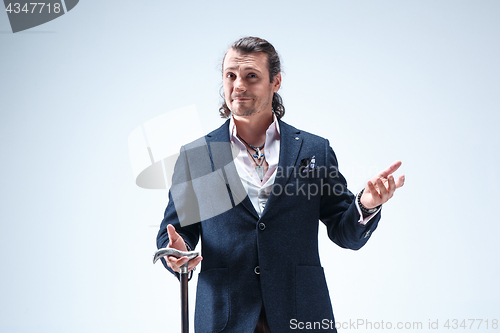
(220, 134)
(287, 129)
(311, 144)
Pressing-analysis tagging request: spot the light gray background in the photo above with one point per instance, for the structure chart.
(383, 80)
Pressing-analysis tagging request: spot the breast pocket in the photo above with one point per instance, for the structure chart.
(212, 301)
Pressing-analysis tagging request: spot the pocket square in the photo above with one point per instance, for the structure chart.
(308, 164)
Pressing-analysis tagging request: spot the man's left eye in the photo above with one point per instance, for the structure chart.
(252, 76)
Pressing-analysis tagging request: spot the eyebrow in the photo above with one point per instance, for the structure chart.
(245, 69)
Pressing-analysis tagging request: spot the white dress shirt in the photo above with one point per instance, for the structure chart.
(258, 191)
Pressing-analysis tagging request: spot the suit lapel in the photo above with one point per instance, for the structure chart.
(221, 157)
(290, 144)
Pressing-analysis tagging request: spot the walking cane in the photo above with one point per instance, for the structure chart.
(183, 279)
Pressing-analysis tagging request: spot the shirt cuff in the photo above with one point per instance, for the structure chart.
(364, 220)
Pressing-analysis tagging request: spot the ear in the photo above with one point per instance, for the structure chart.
(277, 82)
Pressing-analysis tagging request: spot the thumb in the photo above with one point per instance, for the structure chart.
(173, 236)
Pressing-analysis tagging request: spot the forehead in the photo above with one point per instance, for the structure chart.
(241, 61)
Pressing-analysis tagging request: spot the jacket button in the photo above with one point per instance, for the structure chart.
(367, 234)
(256, 270)
(262, 226)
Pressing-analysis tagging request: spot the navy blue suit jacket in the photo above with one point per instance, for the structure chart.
(281, 245)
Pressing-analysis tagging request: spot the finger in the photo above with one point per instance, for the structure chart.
(194, 262)
(372, 192)
(371, 188)
(171, 261)
(391, 169)
(176, 263)
(176, 260)
(175, 240)
(382, 189)
(392, 185)
(401, 181)
(172, 234)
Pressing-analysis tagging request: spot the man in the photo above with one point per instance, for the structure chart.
(254, 191)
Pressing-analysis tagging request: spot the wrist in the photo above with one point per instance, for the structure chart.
(364, 209)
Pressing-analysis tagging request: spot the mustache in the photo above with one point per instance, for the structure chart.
(241, 96)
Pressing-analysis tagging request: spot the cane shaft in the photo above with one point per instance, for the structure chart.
(184, 301)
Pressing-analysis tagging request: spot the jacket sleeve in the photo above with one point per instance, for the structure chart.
(338, 209)
(181, 209)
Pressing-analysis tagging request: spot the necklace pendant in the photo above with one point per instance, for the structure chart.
(258, 154)
(260, 171)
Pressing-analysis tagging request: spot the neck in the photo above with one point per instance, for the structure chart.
(253, 129)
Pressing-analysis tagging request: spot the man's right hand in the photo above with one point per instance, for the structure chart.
(177, 242)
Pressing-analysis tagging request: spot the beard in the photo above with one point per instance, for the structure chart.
(243, 112)
(247, 109)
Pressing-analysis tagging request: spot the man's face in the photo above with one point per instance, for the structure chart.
(247, 89)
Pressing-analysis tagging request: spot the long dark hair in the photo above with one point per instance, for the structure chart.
(248, 45)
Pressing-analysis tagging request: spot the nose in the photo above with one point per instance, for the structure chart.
(239, 85)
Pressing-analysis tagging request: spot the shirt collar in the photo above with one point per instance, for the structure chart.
(273, 131)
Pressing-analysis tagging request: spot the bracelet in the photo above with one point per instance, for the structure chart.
(367, 211)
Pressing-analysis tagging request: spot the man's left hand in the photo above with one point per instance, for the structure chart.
(381, 187)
